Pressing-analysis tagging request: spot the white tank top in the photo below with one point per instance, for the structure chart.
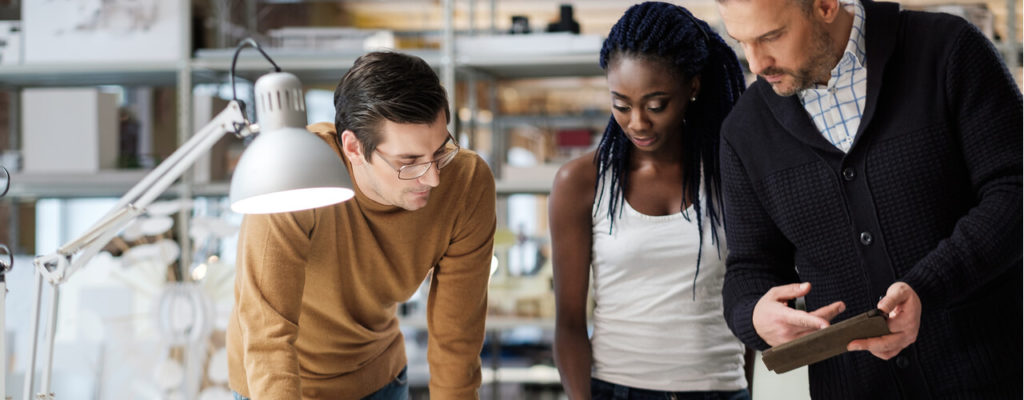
(649, 331)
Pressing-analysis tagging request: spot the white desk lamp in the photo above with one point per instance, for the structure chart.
(6, 263)
(286, 168)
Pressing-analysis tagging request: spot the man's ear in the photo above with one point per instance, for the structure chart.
(695, 87)
(826, 10)
(351, 148)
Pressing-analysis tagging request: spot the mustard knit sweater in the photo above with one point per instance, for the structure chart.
(316, 291)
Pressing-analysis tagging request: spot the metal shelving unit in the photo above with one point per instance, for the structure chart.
(310, 66)
(211, 65)
(103, 184)
(532, 66)
(90, 74)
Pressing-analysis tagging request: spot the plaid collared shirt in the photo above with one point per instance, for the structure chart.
(836, 108)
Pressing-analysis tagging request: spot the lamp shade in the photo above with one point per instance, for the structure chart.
(286, 168)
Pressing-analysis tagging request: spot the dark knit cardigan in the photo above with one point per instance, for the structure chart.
(929, 194)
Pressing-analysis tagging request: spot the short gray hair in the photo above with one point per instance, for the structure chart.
(805, 5)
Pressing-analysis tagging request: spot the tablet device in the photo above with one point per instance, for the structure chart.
(824, 343)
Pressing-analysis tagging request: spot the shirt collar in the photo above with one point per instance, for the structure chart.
(855, 46)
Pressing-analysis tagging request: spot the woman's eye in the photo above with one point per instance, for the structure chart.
(621, 108)
(657, 107)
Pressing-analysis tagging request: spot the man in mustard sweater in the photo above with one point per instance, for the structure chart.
(316, 290)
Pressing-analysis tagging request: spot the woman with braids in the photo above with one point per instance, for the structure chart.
(643, 211)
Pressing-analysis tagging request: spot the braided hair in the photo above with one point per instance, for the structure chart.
(671, 34)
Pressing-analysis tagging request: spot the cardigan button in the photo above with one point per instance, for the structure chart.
(849, 174)
(865, 238)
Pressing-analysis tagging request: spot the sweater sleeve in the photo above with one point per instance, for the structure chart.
(457, 304)
(271, 260)
(760, 257)
(985, 104)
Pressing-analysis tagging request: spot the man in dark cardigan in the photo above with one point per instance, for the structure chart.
(876, 163)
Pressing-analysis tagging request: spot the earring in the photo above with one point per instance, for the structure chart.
(694, 98)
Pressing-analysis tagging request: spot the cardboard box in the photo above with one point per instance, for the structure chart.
(213, 165)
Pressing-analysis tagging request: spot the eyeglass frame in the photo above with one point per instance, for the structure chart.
(427, 169)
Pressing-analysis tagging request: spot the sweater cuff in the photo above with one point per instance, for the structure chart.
(453, 393)
(927, 286)
(744, 324)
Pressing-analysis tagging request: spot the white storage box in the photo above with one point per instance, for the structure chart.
(10, 42)
(77, 31)
(69, 130)
(533, 43)
(332, 39)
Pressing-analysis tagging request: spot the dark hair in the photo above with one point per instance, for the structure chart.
(386, 85)
(672, 35)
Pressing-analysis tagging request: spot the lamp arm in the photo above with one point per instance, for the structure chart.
(73, 255)
(231, 115)
(56, 268)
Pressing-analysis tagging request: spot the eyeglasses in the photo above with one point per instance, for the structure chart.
(414, 171)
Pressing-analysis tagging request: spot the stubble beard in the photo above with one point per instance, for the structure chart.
(820, 63)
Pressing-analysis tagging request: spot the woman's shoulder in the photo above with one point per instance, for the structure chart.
(577, 176)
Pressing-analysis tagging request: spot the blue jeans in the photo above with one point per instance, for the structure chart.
(601, 390)
(398, 389)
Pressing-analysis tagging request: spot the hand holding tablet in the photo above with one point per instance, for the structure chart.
(825, 343)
